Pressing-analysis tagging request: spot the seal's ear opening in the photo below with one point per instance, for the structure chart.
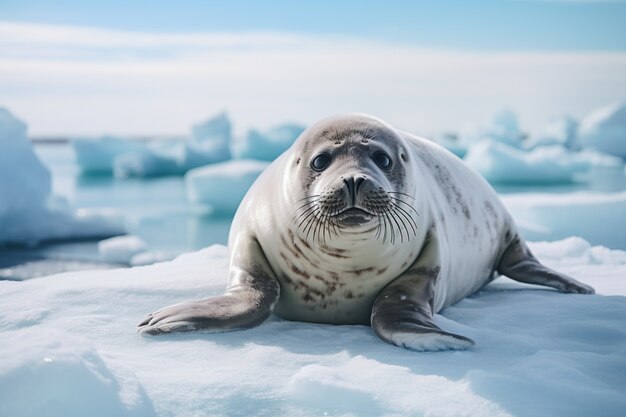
(403, 156)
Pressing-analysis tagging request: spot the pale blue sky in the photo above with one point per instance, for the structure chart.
(458, 24)
(71, 67)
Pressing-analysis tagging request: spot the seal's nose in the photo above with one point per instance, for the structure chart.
(352, 184)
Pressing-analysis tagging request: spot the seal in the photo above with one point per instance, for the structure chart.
(360, 223)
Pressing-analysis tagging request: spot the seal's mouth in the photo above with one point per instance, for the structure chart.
(353, 216)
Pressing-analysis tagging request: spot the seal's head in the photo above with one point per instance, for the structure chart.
(352, 174)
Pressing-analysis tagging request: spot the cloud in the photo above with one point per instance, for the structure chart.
(72, 80)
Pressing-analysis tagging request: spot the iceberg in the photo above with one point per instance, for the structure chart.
(605, 130)
(95, 156)
(500, 163)
(153, 161)
(222, 186)
(209, 143)
(29, 213)
(267, 146)
(561, 131)
(503, 128)
(503, 164)
(69, 348)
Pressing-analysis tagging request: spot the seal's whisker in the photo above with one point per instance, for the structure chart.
(308, 226)
(407, 219)
(398, 200)
(404, 194)
(309, 197)
(406, 215)
(308, 203)
(395, 202)
(310, 213)
(385, 229)
(395, 220)
(391, 228)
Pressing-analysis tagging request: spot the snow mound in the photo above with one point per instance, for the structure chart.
(96, 155)
(605, 130)
(267, 146)
(222, 186)
(538, 353)
(29, 213)
(598, 218)
(53, 373)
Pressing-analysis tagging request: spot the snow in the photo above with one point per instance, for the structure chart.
(501, 163)
(69, 347)
(222, 186)
(29, 213)
(605, 130)
(597, 217)
(267, 146)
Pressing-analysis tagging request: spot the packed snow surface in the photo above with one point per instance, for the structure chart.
(69, 348)
(29, 213)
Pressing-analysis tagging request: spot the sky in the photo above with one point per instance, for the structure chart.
(157, 67)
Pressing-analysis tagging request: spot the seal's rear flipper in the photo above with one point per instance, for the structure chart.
(520, 264)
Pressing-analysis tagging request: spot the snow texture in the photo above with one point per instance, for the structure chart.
(29, 213)
(267, 146)
(69, 347)
(222, 186)
(605, 130)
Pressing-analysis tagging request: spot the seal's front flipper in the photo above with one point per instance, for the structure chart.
(408, 328)
(251, 295)
(520, 264)
(403, 312)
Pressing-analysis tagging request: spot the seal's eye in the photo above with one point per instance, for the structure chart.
(382, 160)
(321, 162)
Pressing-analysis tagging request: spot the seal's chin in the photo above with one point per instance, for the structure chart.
(353, 217)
